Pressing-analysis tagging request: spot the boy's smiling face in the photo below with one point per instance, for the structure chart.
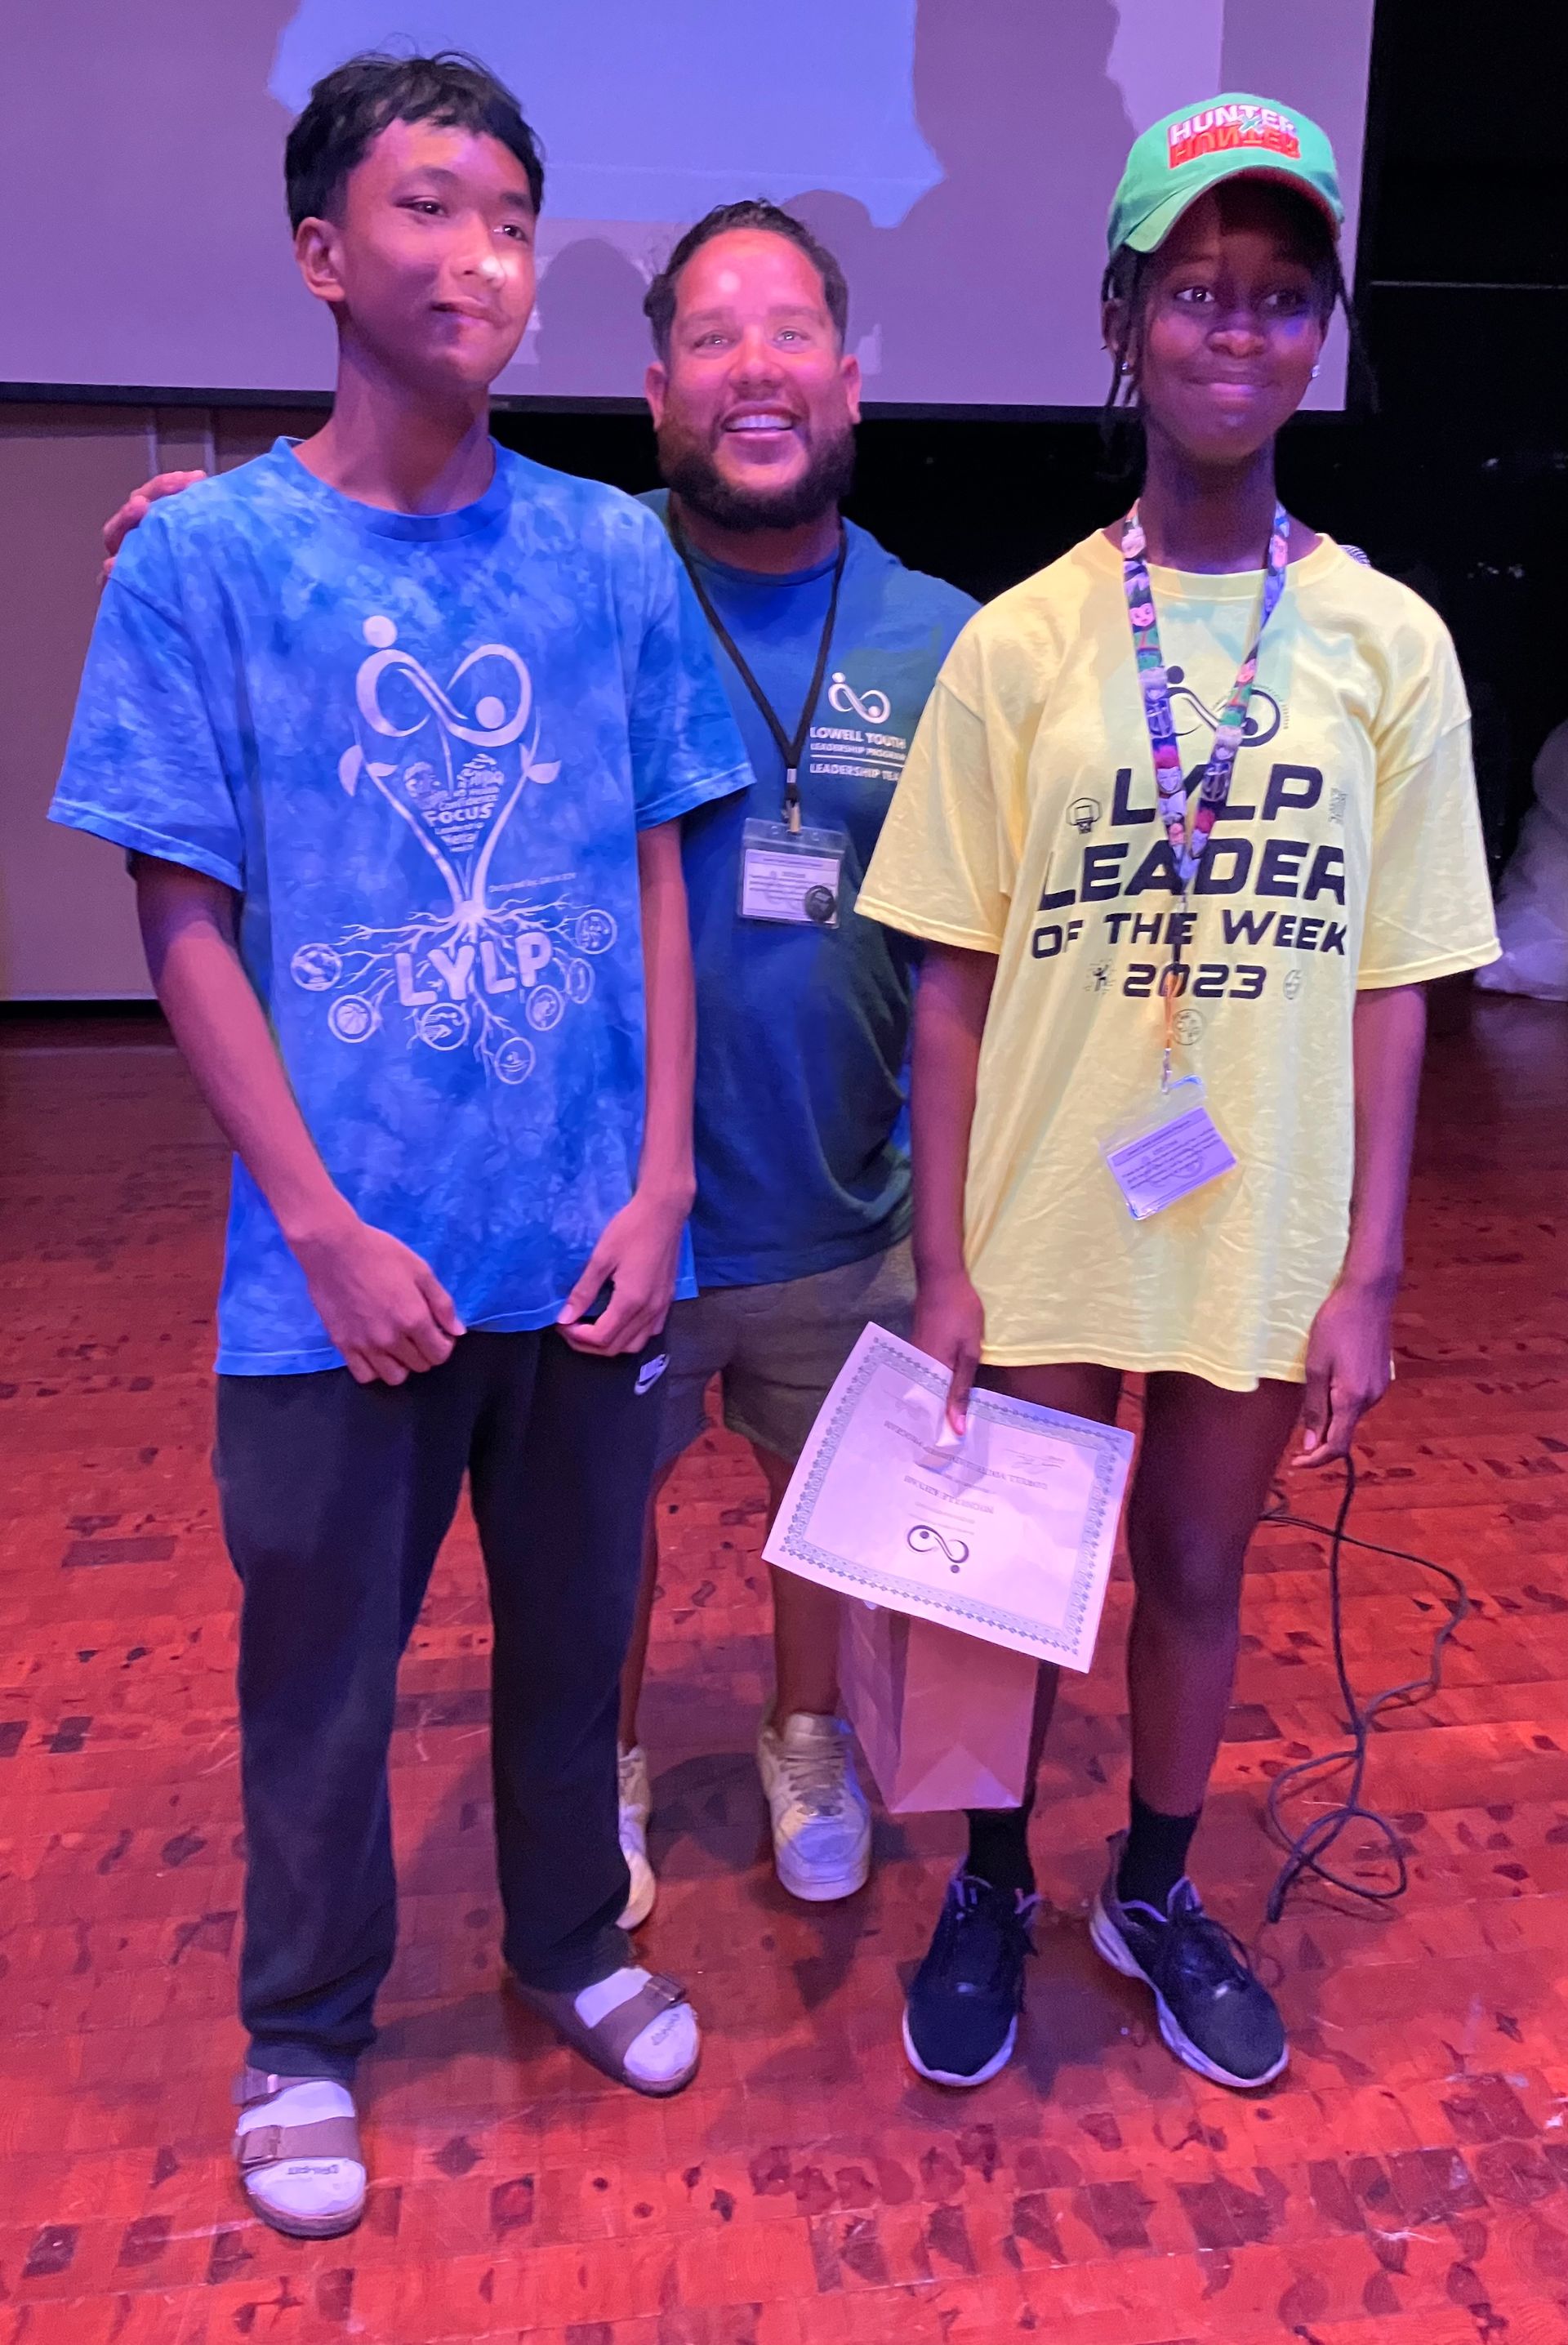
(429, 264)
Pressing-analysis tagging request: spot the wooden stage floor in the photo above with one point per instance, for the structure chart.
(1407, 2180)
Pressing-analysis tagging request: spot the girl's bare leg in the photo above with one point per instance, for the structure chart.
(1204, 1471)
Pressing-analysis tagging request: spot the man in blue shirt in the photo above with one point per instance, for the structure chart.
(399, 730)
(828, 649)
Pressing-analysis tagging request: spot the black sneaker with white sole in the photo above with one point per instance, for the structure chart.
(1215, 2013)
(961, 2021)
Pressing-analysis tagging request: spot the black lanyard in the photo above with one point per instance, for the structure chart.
(789, 749)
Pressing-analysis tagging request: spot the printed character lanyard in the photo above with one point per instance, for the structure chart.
(789, 745)
(1189, 826)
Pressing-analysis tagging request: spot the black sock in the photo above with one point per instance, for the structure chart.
(999, 1848)
(1154, 1857)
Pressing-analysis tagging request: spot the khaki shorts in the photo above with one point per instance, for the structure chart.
(776, 1349)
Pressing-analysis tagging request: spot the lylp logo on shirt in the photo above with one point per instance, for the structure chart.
(495, 958)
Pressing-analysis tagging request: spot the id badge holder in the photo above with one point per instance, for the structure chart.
(791, 876)
(1165, 1153)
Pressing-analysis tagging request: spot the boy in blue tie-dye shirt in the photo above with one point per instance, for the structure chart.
(398, 729)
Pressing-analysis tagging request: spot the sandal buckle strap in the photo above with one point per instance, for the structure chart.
(323, 2138)
(256, 2084)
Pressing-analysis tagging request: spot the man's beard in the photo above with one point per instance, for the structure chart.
(687, 467)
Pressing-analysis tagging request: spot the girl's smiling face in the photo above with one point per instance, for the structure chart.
(1233, 310)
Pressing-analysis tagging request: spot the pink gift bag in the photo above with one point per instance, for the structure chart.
(942, 1718)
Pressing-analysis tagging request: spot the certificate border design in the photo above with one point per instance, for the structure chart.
(881, 1351)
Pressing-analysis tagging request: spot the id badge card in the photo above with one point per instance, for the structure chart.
(791, 876)
(1163, 1155)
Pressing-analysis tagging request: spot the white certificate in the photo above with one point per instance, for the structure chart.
(1006, 1534)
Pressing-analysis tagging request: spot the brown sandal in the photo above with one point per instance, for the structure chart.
(608, 2043)
(329, 2140)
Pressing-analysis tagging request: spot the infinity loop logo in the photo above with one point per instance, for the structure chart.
(487, 727)
(1263, 721)
(924, 1536)
(872, 707)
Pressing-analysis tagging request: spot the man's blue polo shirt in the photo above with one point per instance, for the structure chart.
(803, 1032)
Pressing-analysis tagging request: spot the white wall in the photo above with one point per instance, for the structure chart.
(67, 925)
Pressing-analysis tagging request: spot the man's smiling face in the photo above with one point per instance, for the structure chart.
(756, 404)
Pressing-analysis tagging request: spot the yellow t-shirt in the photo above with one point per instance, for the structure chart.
(1349, 855)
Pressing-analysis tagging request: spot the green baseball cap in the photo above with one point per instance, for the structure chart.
(1196, 146)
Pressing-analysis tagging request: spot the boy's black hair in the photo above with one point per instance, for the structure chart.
(1129, 277)
(755, 211)
(350, 108)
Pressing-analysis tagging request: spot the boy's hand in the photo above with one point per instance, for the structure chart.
(637, 1258)
(950, 1326)
(384, 1308)
(119, 525)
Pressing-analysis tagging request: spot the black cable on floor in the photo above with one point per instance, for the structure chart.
(1308, 1848)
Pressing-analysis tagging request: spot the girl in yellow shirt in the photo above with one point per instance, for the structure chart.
(1170, 1030)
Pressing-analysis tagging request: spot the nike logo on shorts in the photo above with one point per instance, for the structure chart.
(649, 1374)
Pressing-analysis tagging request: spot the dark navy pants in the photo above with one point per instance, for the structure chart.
(335, 1497)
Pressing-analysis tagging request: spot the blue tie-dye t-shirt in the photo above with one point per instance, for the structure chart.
(420, 749)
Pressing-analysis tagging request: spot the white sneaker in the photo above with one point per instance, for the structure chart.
(636, 1806)
(822, 1825)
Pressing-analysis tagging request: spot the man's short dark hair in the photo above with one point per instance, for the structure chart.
(350, 108)
(659, 301)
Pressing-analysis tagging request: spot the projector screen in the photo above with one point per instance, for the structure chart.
(958, 156)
